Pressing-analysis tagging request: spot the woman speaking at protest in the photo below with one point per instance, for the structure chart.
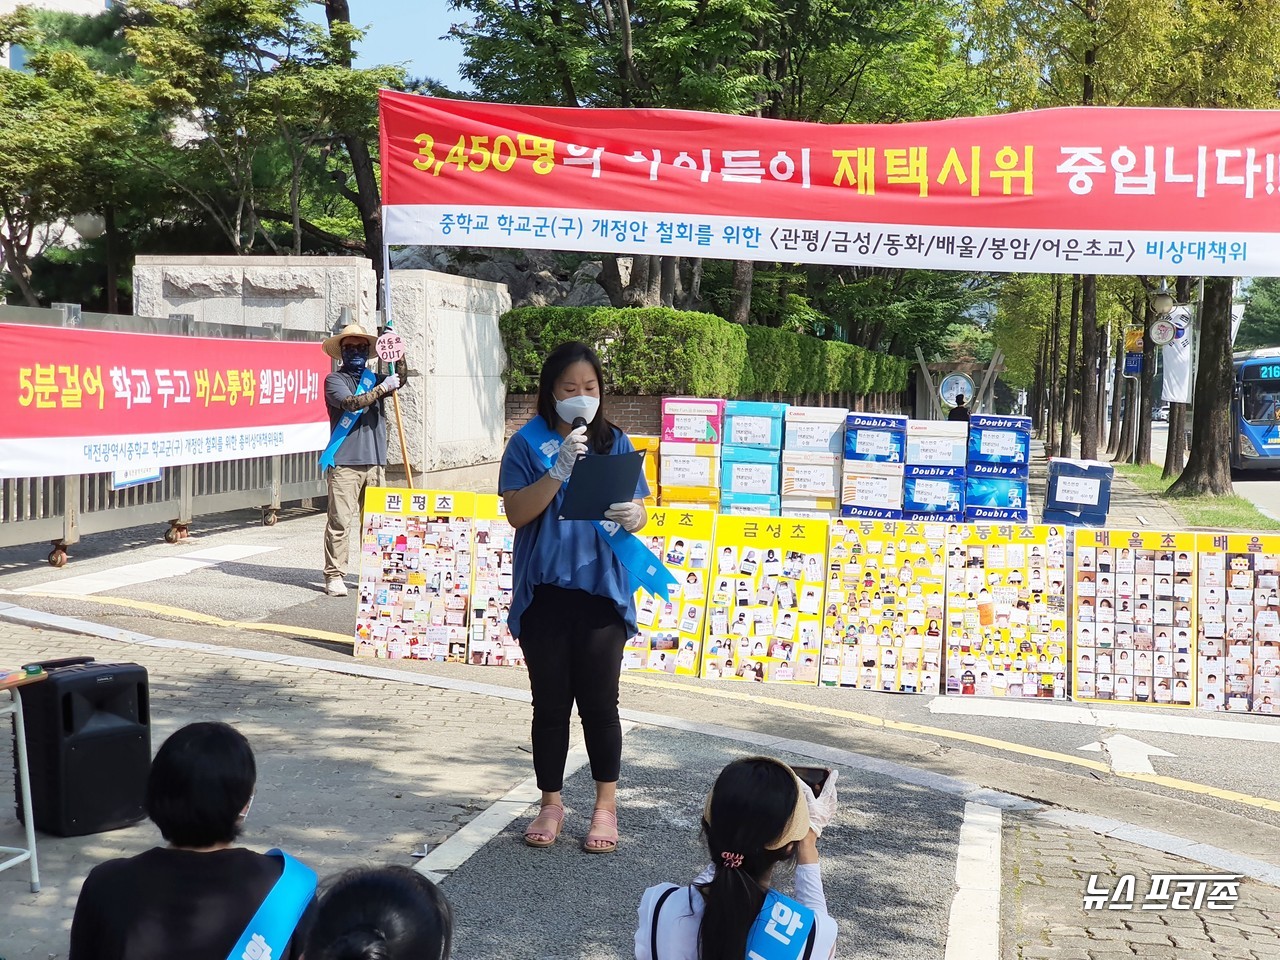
(572, 604)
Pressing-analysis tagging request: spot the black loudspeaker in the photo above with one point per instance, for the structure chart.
(88, 746)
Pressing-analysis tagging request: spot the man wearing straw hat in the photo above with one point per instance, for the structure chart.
(356, 456)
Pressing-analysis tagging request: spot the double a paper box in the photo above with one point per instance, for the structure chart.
(870, 513)
(1079, 486)
(995, 514)
(995, 421)
(814, 430)
(999, 439)
(748, 470)
(928, 516)
(1017, 471)
(937, 442)
(692, 420)
(875, 437)
(812, 508)
(682, 471)
(1003, 492)
(750, 505)
(927, 489)
(810, 475)
(872, 485)
(751, 424)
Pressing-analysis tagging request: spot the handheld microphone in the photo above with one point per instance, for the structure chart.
(579, 422)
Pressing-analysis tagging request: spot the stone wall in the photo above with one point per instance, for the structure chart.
(454, 412)
(452, 407)
(300, 293)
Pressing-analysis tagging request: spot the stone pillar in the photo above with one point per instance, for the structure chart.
(454, 413)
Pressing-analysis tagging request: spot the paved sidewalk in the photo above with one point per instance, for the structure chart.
(1047, 869)
(351, 771)
(354, 771)
(1131, 507)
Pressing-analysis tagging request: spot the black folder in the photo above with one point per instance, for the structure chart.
(598, 482)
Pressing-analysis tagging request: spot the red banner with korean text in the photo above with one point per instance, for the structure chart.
(1078, 189)
(95, 401)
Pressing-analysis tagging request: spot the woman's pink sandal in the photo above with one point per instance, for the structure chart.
(603, 833)
(551, 813)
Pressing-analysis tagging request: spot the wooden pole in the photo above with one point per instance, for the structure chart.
(404, 450)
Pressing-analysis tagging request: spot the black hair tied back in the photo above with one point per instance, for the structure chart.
(361, 943)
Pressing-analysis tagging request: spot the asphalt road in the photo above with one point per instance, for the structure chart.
(888, 862)
(281, 585)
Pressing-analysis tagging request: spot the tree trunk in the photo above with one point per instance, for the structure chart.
(1143, 454)
(1175, 450)
(19, 269)
(111, 252)
(1124, 449)
(634, 292)
(744, 272)
(1038, 386)
(653, 291)
(1068, 393)
(366, 197)
(610, 279)
(1208, 471)
(693, 297)
(1055, 369)
(1117, 402)
(1089, 382)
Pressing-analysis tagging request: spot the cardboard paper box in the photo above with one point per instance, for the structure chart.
(751, 424)
(692, 420)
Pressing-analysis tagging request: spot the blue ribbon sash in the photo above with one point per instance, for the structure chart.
(268, 933)
(646, 569)
(781, 930)
(348, 421)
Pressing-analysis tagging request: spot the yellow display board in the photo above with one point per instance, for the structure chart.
(886, 591)
(491, 643)
(415, 574)
(765, 604)
(1135, 617)
(1007, 611)
(1238, 623)
(670, 633)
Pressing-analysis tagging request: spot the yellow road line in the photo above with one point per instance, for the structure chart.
(867, 719)
(194, 616)
(1172, 783)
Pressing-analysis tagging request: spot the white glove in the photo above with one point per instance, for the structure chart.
(571, 448)
(391, 383)
(822, 808)
(629, 515)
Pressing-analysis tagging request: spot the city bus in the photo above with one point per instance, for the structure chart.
(1255, 410)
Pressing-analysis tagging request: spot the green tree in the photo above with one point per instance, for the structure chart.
(60, 124)
(1260, 326)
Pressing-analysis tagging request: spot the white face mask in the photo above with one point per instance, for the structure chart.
(570, 408)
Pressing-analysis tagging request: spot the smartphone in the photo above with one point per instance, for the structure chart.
(813, 777)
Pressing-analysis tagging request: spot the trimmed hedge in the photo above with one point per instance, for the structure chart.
(659, 351)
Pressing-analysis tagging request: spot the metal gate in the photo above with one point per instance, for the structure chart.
(61, 510)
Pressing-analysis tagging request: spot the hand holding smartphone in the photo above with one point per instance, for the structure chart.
(813, 777)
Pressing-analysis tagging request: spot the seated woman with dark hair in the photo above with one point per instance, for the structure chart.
(199, 898)
(758, 815)
(387, 913)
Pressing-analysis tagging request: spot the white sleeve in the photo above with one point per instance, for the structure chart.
(644, 923)
(809, 887)
(644, 915)
(705, 876)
